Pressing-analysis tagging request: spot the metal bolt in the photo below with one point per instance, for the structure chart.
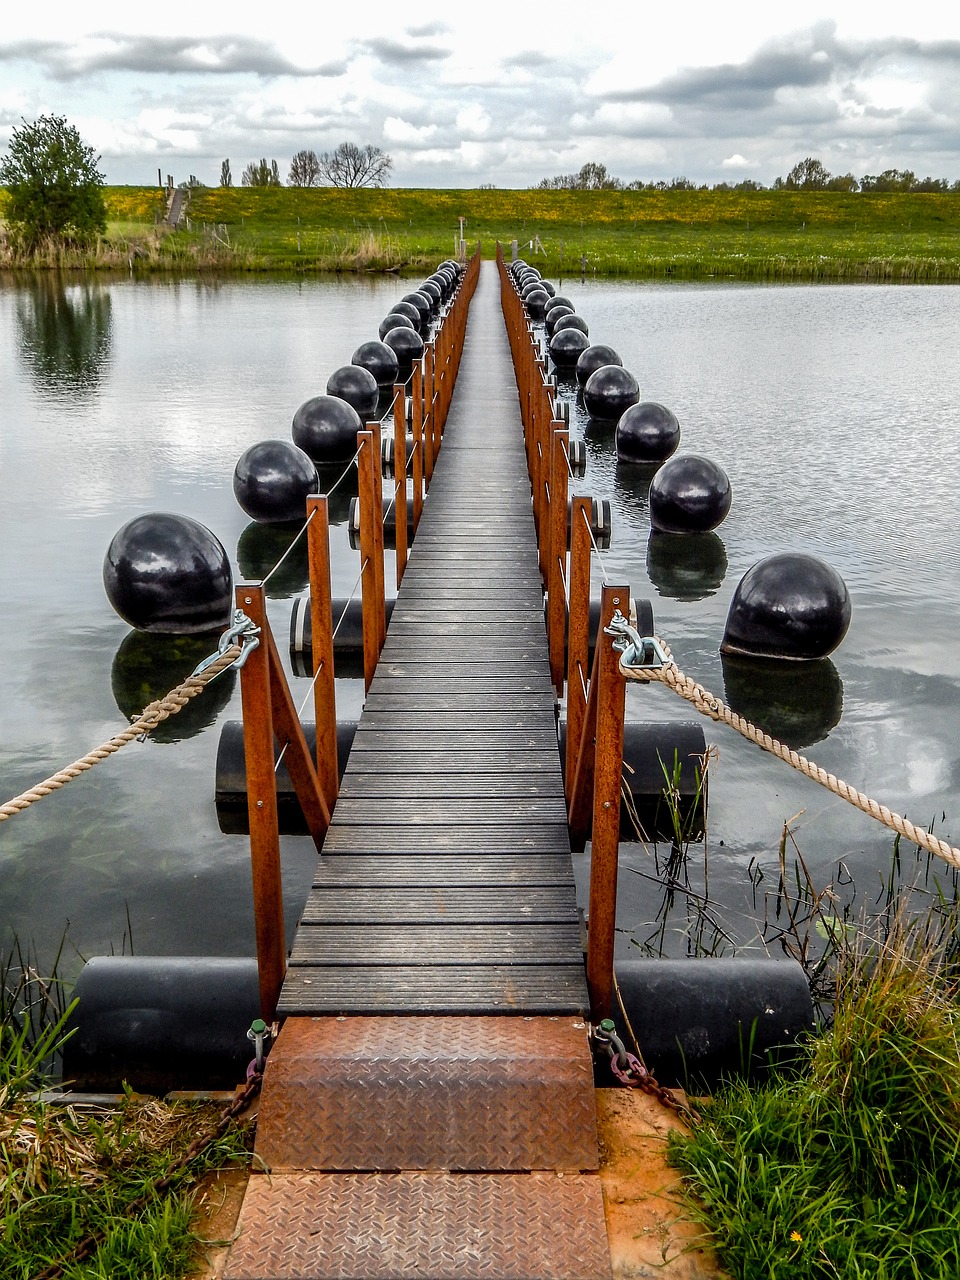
(248, 599)
(259, 804)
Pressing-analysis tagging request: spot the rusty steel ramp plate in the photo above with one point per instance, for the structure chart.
(425, 1226)
(496, 1093)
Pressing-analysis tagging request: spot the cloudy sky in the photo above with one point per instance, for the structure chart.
(505, 93)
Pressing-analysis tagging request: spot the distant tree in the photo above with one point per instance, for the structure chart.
(748, 184)
(226, 177)
(353, 166)
(261, 174)
(193, 183)
(682, 184)
(889, 180)
(304, 170)
(591, 177)
(843, 182)
(807, 175)
(55, 187)
(931, 184)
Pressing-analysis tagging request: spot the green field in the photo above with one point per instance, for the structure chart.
(758, 235)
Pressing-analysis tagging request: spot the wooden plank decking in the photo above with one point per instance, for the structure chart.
(445, 884)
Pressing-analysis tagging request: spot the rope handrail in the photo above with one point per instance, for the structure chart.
(703, 701)
(151, 716)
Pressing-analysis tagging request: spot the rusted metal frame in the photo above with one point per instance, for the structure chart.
(321, 631)
(605, 832)
(416, 468)
(432, 426)
(578, 633)
(400, 478)
(556, 590)
(371, 534)
(378, 563)
(416, 391)
(262, 813)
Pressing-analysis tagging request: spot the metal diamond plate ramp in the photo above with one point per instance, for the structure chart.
(429, 1093)
(421, 1226)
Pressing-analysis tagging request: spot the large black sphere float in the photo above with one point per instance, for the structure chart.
(422, 303)
(379, 359)
(553, 316)
(558, 300)
(169, 575)
(357, 386)
(326, 429)
(534, 302)
(272, 481)
(398, 320)
(431, 290)
(414, 314)
(566, 347)
(689, 494)
(572, 321)
(647, 432)
(408, 346)
(548, 288)
(595, 358)
(609, 391)
(791, 606)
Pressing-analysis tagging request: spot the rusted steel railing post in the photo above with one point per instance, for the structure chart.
(416, 469)
(578, 637)
(321, 631)
(371, 549)
(557, 563)
(418, 422)
(400, 478)
(605, 834)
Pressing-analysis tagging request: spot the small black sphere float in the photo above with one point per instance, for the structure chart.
(647, 432)
(572, 321)
(689, 494)
(566, 346)
(431, 290)
(553, 315)
(609, 391)
(595, 358)
(397, 320)
(548, 288)
(408, 347)
(422, 303)
(379, 359)
(558, 300)
(412, 313)
(272, 481)
(535, 302)
(792, 606)
(357, 386)
(169, 575)
(325, 428)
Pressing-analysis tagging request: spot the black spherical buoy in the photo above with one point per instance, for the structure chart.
(647, 432)
(169, 575)
(792, 605)
(572, 321)
(553, 316)
(413, 313)
(558, 300)
(422, 303)
(566, 346)
(357, 386)
(432, 290)
(396, 320)
(408, 347)
(548, 288)
(595, 358)
(272, 481)
(379, 359)
(534, 302)
(689, 494)
(326, 427)
(609, 391)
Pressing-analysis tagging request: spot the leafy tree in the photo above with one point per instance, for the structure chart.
(889, 180)
(56, 189)
(304, 170)
(261, 174)
(226, 177)
(353, 166)
(591, 177)
(807, 175)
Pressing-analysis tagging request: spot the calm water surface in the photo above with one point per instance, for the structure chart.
(833, 410)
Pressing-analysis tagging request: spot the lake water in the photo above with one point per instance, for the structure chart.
(832, 409)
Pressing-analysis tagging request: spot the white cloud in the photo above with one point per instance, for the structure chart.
(397, 130)
(738, 161)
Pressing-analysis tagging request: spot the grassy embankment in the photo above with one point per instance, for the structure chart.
(764, 235)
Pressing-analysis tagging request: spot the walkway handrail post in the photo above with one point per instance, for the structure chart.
(416, 468)
(557, 563)
(426, 432)
(431, 422)
(400, 479)
(371, 550)
(605, 833)
(321, 632)
(578, 636)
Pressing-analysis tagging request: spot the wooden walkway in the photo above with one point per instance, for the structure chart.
(445, 884)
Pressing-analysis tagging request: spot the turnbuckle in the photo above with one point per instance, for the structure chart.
(638, 653)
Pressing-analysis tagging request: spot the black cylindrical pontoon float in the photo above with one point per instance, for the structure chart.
(701, 1020)
(158, 1023)
(347, 617)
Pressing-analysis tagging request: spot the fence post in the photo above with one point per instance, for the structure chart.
(321, 631)
(371, 547)
(605, 833)
(578, 635)
(557, 563)
(400, 479)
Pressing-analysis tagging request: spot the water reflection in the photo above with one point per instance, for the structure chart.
(339, 489)
(65, 334)
(146, 667)
(632, 487)
(260, 549)
(687, 566)
(797, 702)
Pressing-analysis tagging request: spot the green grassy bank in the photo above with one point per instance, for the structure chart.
(758, 235)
